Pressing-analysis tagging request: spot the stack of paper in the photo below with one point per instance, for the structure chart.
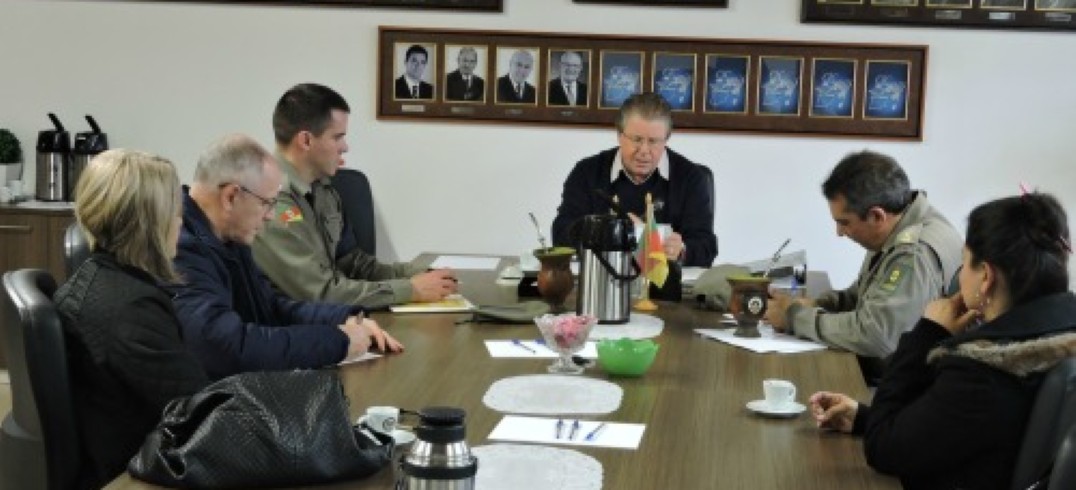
(465, 262)
(768, 342)
(533, 349)
(451, 304)
(544, 430)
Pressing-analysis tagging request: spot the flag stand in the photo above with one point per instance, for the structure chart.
(644, 303)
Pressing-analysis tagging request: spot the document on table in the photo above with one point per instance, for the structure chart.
(544, 430)
(768, 342)
(465, 262)
(451, 304)
(523, 349)
(360, 358)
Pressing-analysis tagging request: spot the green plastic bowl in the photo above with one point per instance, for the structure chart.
(626, 357)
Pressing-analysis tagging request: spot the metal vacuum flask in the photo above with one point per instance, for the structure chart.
(53, 162)
(439, 459)
(607, 267)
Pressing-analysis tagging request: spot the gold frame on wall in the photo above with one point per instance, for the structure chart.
(711, 107)
(1024, 14)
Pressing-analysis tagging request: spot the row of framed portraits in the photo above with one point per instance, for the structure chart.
(1033, 14)
(580, 78)
(721, 85)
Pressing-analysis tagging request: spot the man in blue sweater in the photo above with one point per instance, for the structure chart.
(232, 319)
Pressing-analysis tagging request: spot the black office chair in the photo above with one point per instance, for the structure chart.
(358, 204)
(76, 248)
(1064, 472)
(40, 436)
(710, 187)
(1051, 416)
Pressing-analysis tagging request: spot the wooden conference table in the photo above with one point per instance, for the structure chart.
(698, 435)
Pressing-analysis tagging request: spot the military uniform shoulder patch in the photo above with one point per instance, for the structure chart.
(909, 235)
(288, 213)
(895, 276)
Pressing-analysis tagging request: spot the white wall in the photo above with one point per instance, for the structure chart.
(171, 77)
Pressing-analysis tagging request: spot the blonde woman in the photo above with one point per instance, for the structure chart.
(127, 359)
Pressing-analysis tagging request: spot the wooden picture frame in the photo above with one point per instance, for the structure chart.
(727, 85)
(473, 5)
(999, 14)
(665, 3)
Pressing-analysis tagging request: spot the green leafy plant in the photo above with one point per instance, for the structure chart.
(10, 151)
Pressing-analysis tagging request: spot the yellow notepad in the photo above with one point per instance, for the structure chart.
(451, 304)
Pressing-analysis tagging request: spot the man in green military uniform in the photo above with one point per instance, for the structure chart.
(300, 249)
(913, 254)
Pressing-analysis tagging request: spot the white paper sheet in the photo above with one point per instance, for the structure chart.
(769, 342)
(505, 348)
(362, 358)
(452, 303)
(543, 430)
(688, 275)
(466, 262)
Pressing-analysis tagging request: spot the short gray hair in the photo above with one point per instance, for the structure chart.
(647, 105)
(235, 158)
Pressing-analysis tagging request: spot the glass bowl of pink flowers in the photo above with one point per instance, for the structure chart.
(565, 334)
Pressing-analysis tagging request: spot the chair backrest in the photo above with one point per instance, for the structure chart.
(43, 372)
(358, 204)
(710, 188)
(1052, 414)
(1064, 472)
(76, 248)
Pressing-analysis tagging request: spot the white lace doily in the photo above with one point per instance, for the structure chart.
(639, 326)
(548, 394)
(522, 467)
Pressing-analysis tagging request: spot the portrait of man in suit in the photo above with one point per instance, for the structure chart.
(412, 83)
(1061, 5)
(569, 88)
(517, 85)
(464, 84)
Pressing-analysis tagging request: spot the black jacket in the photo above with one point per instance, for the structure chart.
(127, 361)
(234, 321)
(457, 89)
(951, 410)
(689, 207)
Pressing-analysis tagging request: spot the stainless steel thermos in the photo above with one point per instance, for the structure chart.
(439, 459)
(607, 267)
(53, 162)
(87, 145)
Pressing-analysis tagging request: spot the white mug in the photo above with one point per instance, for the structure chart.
(5, 195)
(778, 392)
(16, 188)
(382, 419)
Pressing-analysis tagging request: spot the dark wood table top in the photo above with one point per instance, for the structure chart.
(698, 432)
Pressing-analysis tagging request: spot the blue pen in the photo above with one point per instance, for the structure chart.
(574, 431)
(559, 428)
(523, 346)
(594, 433)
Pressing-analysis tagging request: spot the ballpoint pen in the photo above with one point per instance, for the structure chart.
(776, 257)
(594, 433)
(559, 428)
(574, 431)
(523, 346)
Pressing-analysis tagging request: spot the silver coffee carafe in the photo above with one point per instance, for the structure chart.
(439, 459)
(53, 162)
(607, 267)
(87, 145)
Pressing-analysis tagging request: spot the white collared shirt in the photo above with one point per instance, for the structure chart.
(618, 166)
(412, 84)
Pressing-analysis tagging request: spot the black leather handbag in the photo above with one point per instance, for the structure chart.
(263, 429)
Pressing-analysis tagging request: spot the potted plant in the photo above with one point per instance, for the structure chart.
(10, 150)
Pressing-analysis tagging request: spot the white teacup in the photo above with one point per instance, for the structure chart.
(16, 188)
(779, 393)
(382, 419)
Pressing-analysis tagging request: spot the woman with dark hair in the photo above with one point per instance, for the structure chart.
(126, 357)
(952, 407)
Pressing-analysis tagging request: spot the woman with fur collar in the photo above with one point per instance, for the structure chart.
(952, 407)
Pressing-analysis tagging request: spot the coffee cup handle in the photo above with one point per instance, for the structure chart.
(793, 399)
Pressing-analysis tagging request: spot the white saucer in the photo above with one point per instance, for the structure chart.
(403, 436)
(789, 410)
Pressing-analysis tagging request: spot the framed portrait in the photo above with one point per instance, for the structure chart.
(727, 85)
(664, 3)
(779, 85)
(516, 80)
(842, 2)
(1055, 5)
(727, 79)
(886, 87)
(480, 5)
(995, 14)
(414, 64)
(465, 73)
(833, 88)
(569, 78)
(674, 79)
(621, 77)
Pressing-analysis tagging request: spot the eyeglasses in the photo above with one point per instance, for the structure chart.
(638, 141)
(268, 203)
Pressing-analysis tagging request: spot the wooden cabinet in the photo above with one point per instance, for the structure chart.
(32, 237)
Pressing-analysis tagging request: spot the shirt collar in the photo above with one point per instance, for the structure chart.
(617, 166)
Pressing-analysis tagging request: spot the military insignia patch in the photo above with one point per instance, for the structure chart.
(288, 214)
(895, 276)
